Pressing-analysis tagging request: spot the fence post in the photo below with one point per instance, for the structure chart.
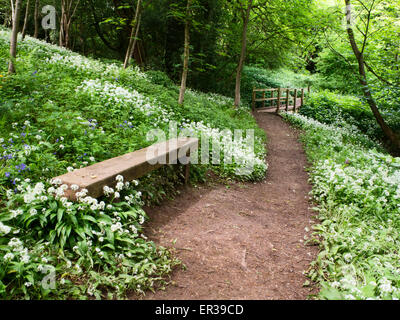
(302, 97)
(287, 99)
(278, 101)
(295, 100)
(272, 98)
(263, 96)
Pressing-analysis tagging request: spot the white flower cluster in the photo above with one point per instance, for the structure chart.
(240, 150)
(34, 44)
(113, 95)
(31, 194)
(81, 63)
(62, 56)
(358, 189)
(76, 61)
(4, 229)
(213, 97)
(18, 250)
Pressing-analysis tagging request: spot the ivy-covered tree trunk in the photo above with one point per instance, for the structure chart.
(242, 54)
(14, 37)
(389, 133)
(185, 55)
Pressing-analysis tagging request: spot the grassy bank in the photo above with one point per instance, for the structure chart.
(63, 111)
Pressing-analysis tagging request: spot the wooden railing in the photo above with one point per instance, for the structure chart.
(292, 99)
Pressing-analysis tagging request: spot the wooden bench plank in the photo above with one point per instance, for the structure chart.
(131, 166)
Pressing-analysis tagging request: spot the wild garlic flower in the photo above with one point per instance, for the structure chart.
(4, 229)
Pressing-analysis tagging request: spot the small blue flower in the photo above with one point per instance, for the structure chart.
(7, 174)
(21, 167)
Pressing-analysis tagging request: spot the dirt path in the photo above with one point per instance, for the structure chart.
(245, 241)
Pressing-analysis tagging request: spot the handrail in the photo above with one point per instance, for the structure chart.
(288, 97)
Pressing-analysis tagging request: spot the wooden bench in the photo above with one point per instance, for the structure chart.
(131, 166)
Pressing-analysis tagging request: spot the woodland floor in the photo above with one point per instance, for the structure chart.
(242, 241)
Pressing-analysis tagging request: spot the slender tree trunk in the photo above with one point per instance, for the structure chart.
(25, 19)
(66, 33)
(36, 18)
(135, 40)
(133, 37)
(242, 54)
(61, 35)
(185, 55)
(140, 56)
(390, 134)
(67, 13)
(14, 37)
(12, 9)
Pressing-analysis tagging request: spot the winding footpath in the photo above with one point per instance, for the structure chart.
(245, 241)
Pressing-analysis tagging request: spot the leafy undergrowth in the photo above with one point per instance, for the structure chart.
(357, 188)
(333, 108)
(63, 111)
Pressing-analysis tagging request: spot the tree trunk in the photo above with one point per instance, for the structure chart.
(67, 13)
(135, 42)
(25, 19)
(66, 34)
(61, 35)
(242, 54)
(185, 55)
(36, 18)
(12, 9)
(134, 34)
(390, 134)
(14, 37)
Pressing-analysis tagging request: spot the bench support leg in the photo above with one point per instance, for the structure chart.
(187, 173)
(187, 168)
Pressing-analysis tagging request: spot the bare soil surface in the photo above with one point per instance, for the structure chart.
(246, 240)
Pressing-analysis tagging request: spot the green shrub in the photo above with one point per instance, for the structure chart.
(332, 108)
(160, 78)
